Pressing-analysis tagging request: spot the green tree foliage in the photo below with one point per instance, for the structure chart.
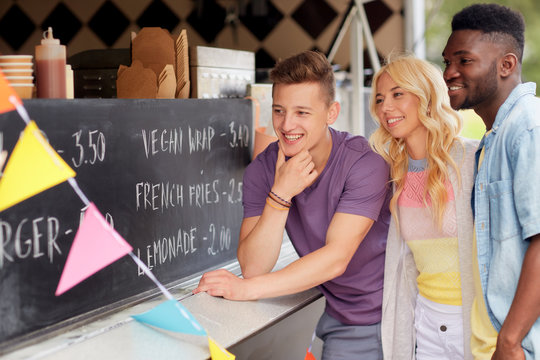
(439, 16)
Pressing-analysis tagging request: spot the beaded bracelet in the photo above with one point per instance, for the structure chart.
(285, 201)
(275, 207)
(278, 201)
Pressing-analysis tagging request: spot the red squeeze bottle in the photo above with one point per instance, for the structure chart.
(50, 67)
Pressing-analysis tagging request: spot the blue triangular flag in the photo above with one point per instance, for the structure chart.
(173, 316)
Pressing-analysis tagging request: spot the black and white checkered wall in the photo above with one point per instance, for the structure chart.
(273, 29)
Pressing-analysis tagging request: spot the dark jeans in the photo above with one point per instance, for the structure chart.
(348, 342)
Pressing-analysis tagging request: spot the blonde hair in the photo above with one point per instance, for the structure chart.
(443, 125)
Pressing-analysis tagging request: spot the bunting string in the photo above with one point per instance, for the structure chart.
(149, 273)
(166, 292)
(48, 149)
(312, 340)
(78, 191)
(20, 108)
(26, 118)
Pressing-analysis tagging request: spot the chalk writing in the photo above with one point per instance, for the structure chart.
(34, 238)
(167, 248)
(26, 237)
(108, 218)
(218, 241)
(159, 196)
(162, 196)
(204, 193)
(235, 191)
(96, 147)
(239, 134)
(200, 139)
(162, 140)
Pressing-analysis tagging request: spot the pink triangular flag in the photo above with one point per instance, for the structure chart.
(96, 245)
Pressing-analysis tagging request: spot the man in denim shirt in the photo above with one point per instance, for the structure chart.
(483, 72)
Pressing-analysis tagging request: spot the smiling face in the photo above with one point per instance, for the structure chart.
(301, 115)
(471, 70)
(397, 111)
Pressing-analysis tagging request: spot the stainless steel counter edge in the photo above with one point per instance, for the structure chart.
(118, 336)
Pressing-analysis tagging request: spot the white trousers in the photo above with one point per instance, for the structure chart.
(439, 330)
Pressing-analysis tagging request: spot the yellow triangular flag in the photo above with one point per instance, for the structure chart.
(217, 352)
(33, 167)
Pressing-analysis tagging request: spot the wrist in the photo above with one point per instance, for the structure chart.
(277, 204)
(508, 340)
(252, 292)
(281, 194)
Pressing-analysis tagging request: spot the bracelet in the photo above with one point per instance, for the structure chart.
(278, 201)
(285, 201)
(275, 207)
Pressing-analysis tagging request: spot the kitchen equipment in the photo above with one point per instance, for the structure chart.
(220, 73)
(95, 71)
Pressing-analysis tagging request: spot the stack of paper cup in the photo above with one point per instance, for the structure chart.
(18, 71)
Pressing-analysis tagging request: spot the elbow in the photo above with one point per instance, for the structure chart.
(341, 269)
(252, 268)
(249, 272)
(246, 266)
(249, 269)
(246, 271)
(337, 269)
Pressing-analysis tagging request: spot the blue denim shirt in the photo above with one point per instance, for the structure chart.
(506, 203)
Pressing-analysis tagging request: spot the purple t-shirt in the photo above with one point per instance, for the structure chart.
(354, 181)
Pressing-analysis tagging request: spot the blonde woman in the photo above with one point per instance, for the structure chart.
(428, 288)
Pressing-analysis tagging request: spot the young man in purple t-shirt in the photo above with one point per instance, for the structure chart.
(330, 192)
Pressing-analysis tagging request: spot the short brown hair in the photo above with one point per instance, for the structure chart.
(307, 66)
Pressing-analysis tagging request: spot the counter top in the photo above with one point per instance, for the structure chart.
(118, 336)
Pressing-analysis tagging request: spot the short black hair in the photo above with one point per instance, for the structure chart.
(501, 23)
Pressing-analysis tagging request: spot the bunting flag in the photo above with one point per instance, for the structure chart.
(96, 245)
(8, 97)
(33, 167)
(309, 355)
(172, 316)
(217, 352)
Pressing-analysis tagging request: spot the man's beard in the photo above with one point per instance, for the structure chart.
(486, 89)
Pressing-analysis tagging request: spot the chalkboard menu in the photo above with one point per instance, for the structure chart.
(167, 174)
